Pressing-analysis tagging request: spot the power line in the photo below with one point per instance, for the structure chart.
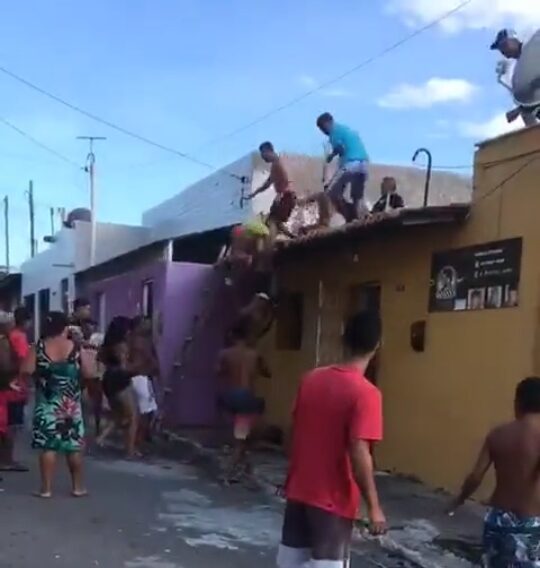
(343, 75)
(268, 114)
(459, 167)
(106, 122)
(38, 143)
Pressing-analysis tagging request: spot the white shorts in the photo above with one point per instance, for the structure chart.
(144, 391)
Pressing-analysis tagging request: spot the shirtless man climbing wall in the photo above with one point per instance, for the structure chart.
(239, 366)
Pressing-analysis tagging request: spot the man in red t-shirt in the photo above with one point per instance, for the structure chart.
(285, 200)
(337, 419)
(20, 348)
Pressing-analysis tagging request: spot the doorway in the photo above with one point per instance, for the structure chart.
(43, 308)
(362, 297)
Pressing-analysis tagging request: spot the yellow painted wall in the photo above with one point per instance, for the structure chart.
(438, 404)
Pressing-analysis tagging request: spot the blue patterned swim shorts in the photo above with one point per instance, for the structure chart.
(511, 541)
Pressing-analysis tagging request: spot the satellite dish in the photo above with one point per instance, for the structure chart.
(526, 78)
(79, 214)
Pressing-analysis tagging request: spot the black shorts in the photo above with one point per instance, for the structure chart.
(310, 533)
(238, 401)
(16, 413)
(283, 206)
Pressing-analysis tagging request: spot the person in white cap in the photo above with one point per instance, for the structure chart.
(525, 85)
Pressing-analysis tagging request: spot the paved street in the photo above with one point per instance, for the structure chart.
(139, 515)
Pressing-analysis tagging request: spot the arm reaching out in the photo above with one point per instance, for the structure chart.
(266, 185)
(474, 479)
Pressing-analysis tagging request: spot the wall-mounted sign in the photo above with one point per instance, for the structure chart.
(479, 277)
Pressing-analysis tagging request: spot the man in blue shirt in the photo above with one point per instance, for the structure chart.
(353, 160)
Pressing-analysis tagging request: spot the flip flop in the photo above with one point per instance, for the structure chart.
(41, 495)
(79, 494)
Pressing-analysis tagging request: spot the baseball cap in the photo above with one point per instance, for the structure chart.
(503, 35)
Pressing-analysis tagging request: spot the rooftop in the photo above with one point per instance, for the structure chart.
(381, 222)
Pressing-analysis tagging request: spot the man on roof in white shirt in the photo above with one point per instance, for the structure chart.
(526, 77)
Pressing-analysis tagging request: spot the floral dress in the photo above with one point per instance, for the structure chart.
(58, 420)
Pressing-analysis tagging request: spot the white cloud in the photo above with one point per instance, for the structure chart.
(523, 15)
(490, 128)
(309, 82)
(432, 92)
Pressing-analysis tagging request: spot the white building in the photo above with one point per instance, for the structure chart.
(48, 278)
(214, 202)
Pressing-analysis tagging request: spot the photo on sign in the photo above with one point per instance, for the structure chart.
(476, 299)
(494, 298)
(510, 297)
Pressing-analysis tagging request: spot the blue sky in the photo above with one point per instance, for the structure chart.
(185, 72)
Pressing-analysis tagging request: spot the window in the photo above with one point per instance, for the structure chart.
(64, 291)
(363, 297)
(101, 311)
(148, 299)
(43, 307)
(290, 322)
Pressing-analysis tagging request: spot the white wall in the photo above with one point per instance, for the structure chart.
(70, 253)
(112, 240)
(211, 203)
(48, 268)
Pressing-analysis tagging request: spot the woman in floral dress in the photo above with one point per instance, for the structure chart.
(58, 367)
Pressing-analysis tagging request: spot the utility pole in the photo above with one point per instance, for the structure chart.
(6, 228)
(32, 218)
(52, 221)
(90, 169)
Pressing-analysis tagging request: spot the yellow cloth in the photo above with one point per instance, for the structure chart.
(257, 228)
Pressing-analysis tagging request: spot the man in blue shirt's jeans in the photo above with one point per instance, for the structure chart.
(353, 161)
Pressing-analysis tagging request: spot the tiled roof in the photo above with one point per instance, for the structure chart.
(379, 222)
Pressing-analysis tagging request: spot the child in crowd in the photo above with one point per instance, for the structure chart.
(145, 360)
(512, 525)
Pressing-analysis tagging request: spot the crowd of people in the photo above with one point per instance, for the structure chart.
(78, 377)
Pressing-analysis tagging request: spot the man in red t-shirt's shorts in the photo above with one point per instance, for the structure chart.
(337, 419)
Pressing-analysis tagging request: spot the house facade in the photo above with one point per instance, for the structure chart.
(48, 279)
(171, 278)
(459, 294)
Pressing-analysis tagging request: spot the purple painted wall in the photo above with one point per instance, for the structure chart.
(187, 400)
(179, 296)
(192, 401)
(123, 293)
